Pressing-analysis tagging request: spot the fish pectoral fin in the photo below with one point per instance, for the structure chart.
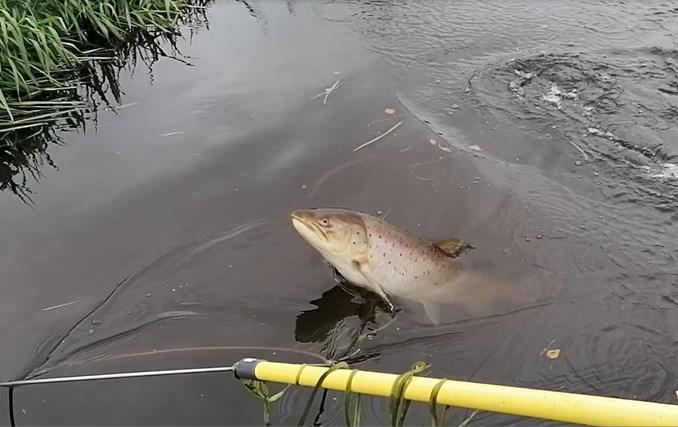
(374, 285)
(452, 247)
(432, 311)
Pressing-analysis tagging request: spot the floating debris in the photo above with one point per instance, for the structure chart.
(54, 307)
(553, 353)
(516, 86)
(586, 156)
(553, 341)
(603, 134)
(389, 111)
(373, 140)
(326, 93)
(556, 94)
(469, 418)
(172, 133)
(667, 171)
(117, 108)
(475, 148)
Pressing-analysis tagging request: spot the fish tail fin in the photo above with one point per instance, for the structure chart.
(432, 311)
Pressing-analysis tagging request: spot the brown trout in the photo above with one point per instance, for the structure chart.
(376, 255)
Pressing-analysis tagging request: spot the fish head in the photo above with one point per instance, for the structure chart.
(339, 235)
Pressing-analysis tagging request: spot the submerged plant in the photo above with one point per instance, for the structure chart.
(398, 404)
(260, 390)
(59, 59)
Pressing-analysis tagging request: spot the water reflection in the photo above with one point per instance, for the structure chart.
(344, 315)
(23, 152)
(332, 307)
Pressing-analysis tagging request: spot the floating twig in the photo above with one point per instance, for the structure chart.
(586, 157)
(377, 138)
(123, 106)
(331, 89)
(328, 91)
(54, 307)
(445, 149)
(468, 420)
(553, 341)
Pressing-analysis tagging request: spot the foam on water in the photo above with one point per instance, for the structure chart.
(665, 171)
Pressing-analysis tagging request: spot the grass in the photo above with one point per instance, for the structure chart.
(59, 59)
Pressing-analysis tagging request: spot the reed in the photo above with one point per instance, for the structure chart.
(42, 42)
(60, 58)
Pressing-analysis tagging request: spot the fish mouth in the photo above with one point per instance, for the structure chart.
(306, 226)
(297, 215)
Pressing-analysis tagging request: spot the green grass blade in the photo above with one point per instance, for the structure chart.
(5, 106)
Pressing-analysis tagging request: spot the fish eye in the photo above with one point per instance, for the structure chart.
(325, 222)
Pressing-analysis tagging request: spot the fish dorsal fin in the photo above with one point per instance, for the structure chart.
(452, 247)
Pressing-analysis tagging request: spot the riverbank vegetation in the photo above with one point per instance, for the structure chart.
(59, 59)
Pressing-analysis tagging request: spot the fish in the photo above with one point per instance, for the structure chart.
(374, 254)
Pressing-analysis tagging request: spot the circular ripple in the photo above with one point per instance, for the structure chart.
(620, 359)
(616, 109)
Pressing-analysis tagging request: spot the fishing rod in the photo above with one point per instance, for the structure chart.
(520, 401)
(11, 385)
(120, 375)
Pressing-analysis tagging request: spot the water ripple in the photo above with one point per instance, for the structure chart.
(142, 299)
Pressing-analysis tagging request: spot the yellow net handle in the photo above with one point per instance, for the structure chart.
(543, 404)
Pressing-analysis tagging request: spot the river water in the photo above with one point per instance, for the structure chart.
(544, 133)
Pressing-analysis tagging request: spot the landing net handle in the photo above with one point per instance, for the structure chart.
(543, 404)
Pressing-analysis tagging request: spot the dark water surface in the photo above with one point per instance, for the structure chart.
(545, 133)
